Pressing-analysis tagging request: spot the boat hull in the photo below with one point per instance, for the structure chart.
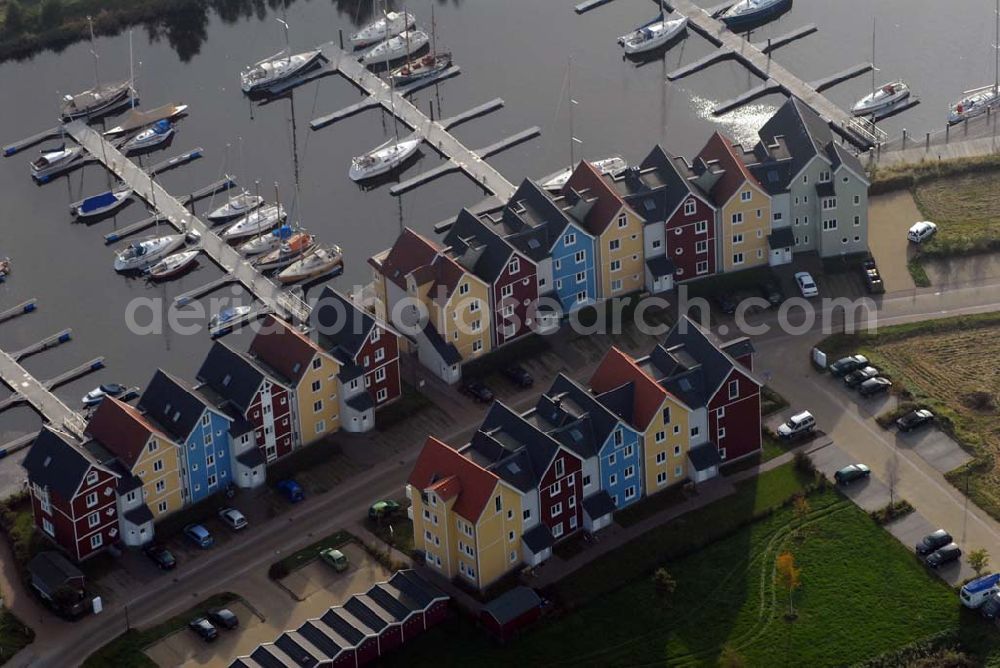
(381, 30)
(361, 172)
(228, 212)
(307, 60)
(120, 198)
(113, 97)
(395, 49)
(672, 30)
(184, 264)
(750, 19)
(406, 74)
(54, 168)
(126, 265)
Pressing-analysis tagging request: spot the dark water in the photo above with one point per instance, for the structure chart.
(514, 49)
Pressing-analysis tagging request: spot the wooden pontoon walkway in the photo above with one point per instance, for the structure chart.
(29, 389)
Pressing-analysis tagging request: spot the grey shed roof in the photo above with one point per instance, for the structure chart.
(783, 237)
(361, 402)
(704, 456)
(56, 463)
(139, 515)
(538, 538)
(165, 391)
(661, 265)
(599, 504)
(512, 604)
(446, 351)
(342, 326)
(50, 570)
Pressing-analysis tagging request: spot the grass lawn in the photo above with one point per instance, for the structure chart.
(14, 635)
(296, 560)
(967, 211)
(126, 651)
(862, 594)
(396, 531)
(939, 364)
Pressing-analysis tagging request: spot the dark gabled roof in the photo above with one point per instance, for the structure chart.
(511, 605)
(416, 587)
(516, 435)
(284, 348)
(388, 601)
(343, 328)
(364, 609)
(270, 655)
(598, 505)
(252, 458)
(126, 481)
(538, 538)
(121, 429)
(361, 402)
(50, 570)
(620, 401)
(737, 348)
(617, 369)
(298, 649)
(840, 155)
(185, 405)
(656, 187)
(574, 399)
(477, 247)
(704, 456)
(446, 351)
(342, 627)
(141, 514)
(238, 424)
(783, 237)
(323, 638)
(533, 220)
(349, 371)
(661, 265)
(576, 433)
(56, 463)
(231, 375)
(803, 131)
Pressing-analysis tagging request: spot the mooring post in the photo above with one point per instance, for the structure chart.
(430, 103)
(904, 137)
(927, 141)
(947, 131)
(340, 33)
(965, 125)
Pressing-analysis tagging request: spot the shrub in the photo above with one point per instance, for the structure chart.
(803, 464)
(51, 14)
(278, 570)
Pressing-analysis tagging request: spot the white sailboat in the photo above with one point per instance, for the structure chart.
(160, 132)
(402, 45)
(282, 65)
(238, 205)
(140, 255)
(885, 96)
(976, 101)
(652, 35)
(263, 219)
(315, 264)
(265, 243)
(100, 98)
(173, 265)
(415, 69)
(388, 26)
(103, 204)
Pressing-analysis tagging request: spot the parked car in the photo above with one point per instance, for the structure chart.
(799, 424)
(874, 386)
(851, 473)
(943, 555)
(203, 628)
(991, 608)
(873, 279)
(921, 232)
(199, 535)
(846, 365)
(859, 376)
(225, 618)
(335, 558)
(727, 302)
(233, 518)
(383, 508)
(291, 490)
(933, 541)
(979, 591)
(518, 375)
(160, 556)
(914, 419)
(807, 286)
(478, 391)
(771, 291)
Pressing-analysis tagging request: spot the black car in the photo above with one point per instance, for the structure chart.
(770, 291)
(478, 391)
(874, 386)
(850, 473)
(846, 365)
(933, 541)
(859, 376)
(519, 376)
(943, 555)
(160, 556)
(991, 608)
(914, 419)
(726, 301)
(225, 618)
(204, 628)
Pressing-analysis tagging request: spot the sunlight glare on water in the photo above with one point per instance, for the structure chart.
(741, 124)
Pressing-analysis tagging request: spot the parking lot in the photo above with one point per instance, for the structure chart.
(305, 594)
(890, 216)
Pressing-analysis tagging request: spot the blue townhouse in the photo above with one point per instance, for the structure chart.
(535, 222)
(189, 418)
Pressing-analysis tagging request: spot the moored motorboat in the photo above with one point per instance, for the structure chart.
(5, 268)
(142, 254)
(173, 265)
(264, 219)
(402, 45)
(382, 159)
(103, 204)
(653, 35)
(748, 13)
(237, 206)
(265, 243)
(390, 25)
(418, 68)
(151, 137)
(611, 165)
(54, 161)
(227, 317)
(319, 262)
(288, 252)
(283, 65)
(96, 395)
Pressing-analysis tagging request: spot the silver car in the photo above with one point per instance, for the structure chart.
(233, 518)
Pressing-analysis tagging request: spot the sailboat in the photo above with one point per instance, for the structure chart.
(54, 161)
(282, 65)
(319, 262)
(261, 220)
(237, 205)
(140, 255)
(976, 101)
(400, 46)
(748, 13)
(173, 265)
(265, 243)
(103, 204)
(419, 68)
(159, 133)
(288, 252)
(652, 35)
(100, 98)
(885, 96)
(388, 26)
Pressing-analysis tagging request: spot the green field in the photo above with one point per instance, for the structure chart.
(967, 211)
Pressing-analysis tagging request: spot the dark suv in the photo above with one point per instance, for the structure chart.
(943, 555)
(478, 391)
(933, 541)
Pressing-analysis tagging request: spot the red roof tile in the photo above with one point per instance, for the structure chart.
(607, 204)
(284, 348)
(721, 149)
(411, 250)
(450, 473)
(616, 369)
(121, 429)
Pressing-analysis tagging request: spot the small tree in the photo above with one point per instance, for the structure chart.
(13, 23)
(786, 576)
(730, 658)
(664, 583)
(979, 560)
(801, 507)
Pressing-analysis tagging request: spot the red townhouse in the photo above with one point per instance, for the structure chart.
(512, 276)
(241, 384)
(73, 497)
(367, 348)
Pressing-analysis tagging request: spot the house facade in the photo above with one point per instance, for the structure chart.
(73, 496)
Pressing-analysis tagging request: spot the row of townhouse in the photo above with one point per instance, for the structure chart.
(526, 481)
(184, 442)
(503, 273)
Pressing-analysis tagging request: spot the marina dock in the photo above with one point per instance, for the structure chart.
(172, 211)
(28, 389)
(140, 225)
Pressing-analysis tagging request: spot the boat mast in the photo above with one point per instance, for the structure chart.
(434, 48)
(996, 55)
(392, 86)
(569, 89)
(288, 45)
(93, 52)
(874, 69)
(131, 72)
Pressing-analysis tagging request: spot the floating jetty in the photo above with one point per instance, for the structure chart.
(140, 225)
(172, 211)
(33, 140)
(45, 344)
(28, 389)
(21, 309)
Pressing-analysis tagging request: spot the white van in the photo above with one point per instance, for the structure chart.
(797, 425)
(977, 592)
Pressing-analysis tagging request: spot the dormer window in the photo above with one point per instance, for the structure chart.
(514, 266)
(226, 380)
(296, 368)
(622, 220)
(690, 207)
(745, 196)
(92, 478)
(376, 334)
